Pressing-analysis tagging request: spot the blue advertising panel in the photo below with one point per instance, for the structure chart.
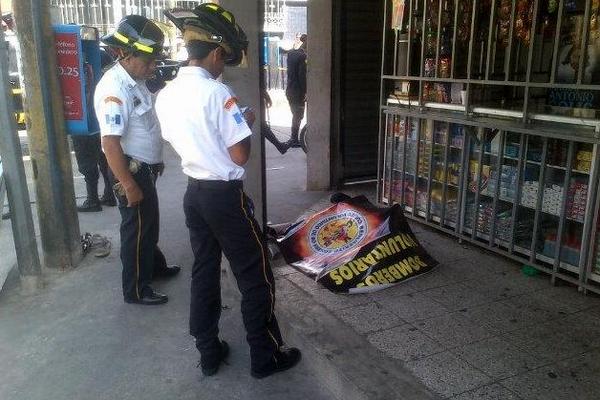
(78, 62)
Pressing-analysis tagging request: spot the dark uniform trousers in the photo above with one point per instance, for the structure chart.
(140, 224)
(89, 155)
(220, 218)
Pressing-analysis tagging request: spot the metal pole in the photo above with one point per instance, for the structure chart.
(559, 18)
(510, 40)
(28, 261)
(381, 137)
(51, 158)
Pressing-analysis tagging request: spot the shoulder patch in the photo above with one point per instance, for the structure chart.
(113, 99)
(238, 118)
(230, 103)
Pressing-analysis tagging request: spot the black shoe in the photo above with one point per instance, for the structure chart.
(151, 299)
(283, 360)
(108, 200)
(294, 143)
(90, 205)
(281, 147)
(167, 272)
(210, 365)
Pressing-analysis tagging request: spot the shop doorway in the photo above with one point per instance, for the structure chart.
(285, 163)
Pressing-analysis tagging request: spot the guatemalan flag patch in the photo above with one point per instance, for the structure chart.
(113, 119)
(238, 118)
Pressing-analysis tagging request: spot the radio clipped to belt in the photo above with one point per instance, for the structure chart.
(134, 167)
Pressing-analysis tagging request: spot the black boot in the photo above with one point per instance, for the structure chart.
(92, 203)
(283, 360)
(281, 147)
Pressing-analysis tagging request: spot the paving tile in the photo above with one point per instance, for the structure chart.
(495, 263)
(465, 270)
(413, 307)
(369, 318)
(447, 374)
(457, 296)
(436, 238)
(498, 358)
(405, 343)
(337, 301)
(283, 270)
(576, 378)
(453, 330)
(557, 340)
(489, 392)
(569, 298)
(446, 252)
(545, 307)
(502, 317)
(438, 277)
(305, 282)
(498, 286)
(534, 283)
(401, 289)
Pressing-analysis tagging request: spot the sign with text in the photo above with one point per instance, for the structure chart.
(68, 62)
(354, 246)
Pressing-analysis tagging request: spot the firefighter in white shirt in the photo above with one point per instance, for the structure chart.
(132, 143)
(201, 119)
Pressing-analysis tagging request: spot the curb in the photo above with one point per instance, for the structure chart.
(341, 360)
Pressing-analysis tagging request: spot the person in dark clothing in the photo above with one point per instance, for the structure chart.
(265, 128)
(90, 159)
(296, 86)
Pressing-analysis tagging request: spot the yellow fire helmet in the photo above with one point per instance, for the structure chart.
(138, 34)
(211, 23)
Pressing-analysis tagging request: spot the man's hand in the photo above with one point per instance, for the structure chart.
(250, 117)
(134, 195)
(267, 99)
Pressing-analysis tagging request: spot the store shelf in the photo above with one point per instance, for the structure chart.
(486, 237)
(505, 138)
(594, 277)
(434, 218)
(563, 265)
(533, 162)
(446, 183)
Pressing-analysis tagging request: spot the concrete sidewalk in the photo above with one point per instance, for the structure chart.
(76, 339)
(474, 328)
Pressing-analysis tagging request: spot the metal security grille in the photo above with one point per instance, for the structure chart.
(104, 14)
(490, 126)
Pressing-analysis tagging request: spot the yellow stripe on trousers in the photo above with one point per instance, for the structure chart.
(137, 255)
(264, 264)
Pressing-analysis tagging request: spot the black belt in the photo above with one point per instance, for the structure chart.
(210, 184)
(153, 168)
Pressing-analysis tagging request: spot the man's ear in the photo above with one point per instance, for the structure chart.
(218, 53)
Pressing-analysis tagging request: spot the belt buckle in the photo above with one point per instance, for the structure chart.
(134, 166)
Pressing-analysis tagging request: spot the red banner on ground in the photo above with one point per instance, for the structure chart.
(354, 246)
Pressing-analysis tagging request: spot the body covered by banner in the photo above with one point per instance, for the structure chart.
(354, 246)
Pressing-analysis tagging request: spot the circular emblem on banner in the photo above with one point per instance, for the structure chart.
(338, 232)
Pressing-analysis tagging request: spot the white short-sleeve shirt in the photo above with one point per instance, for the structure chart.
(125, 107)
(201, 119)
